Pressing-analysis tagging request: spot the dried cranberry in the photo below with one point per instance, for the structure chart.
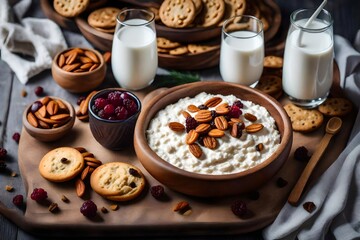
(302, 154)
(36, 106)
(309, 206)
(202, 107)
(80, 99)
(88, 209)
(16, 137)
(109, 109)
(158, 192)
(18, 200)
(39, 91)
(100, 103)
(235, 112)
(3, 153)
(125, 95)
(38, 194)
(238, 103)
(115, 98)
(280, 182)
(190, 123)
(121, 113)
(130, 106)
(239, 208)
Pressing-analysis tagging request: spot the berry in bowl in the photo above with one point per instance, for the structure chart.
(112, 118)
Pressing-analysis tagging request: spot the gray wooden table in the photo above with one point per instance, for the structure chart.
(12, 104)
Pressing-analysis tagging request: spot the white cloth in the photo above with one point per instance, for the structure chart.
(39, 38)
(336, 194)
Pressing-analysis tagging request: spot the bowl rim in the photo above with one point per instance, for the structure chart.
(98, 54)
(140, 134)
(102, 91)
(64, 127)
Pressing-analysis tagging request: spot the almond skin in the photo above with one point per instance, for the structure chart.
(221, 123)
(191, 137)
(253, 128)
(80, 187)
(176, 126)
(203, 116)
(213, 102)
(250, 117)
(192, 108)
(216, 133)
(210, 142)
(202, 128)
(195, 150)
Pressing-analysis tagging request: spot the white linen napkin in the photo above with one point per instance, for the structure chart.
(39, 38)
(336, 194)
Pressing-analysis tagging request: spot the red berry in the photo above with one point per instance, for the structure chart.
(39, 91)
(157, 192)
(102, 114)
(88, 209)
(235, 112)
(190, 123)
(239, 208)
(18, 200)
(38, 194)
(115, 98)
(3, 153)
(36, 106)
(109, 109)
(16, 137)
(100, 103)
(121, 113)
(130, 106)
(125, 95)
(238, 103)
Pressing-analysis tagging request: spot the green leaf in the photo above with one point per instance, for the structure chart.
(174, 78)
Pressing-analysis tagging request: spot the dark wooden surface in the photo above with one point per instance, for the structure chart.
(12, 104)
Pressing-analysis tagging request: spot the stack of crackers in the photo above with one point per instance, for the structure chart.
(166, 46)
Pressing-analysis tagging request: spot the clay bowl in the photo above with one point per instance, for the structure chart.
(51, 134)
(204, 185)
(79, 82)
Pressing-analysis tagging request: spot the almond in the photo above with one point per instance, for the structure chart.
(93, 164)
(203, 116)
(71, 67)
(93, 67)
(52, 107)
(45, 100)
(84, 107)
(78, 50)
(93, 160)
(86, 66)
(32, 119)
(250, 117)
(85, 173)
(92, 56)
(259, 147)
(210, 142)
(80, 149)
(62, 105)
(83, 118)
(44, 125)
(85, 60)
(202, 128)
(61, 60)
(176, 126)
(181, 206)
(192, 108)
(213, 102)
(221, 123)
(87, 154)
(71, 58)
(234, 120)
(42, 111)
(185, 114)
(222, 109)
(235, 132)
(60, 117)
(80, 187)
(216, 133)
(191, 137)
(107, 57)
(195, 150)
(253, 128)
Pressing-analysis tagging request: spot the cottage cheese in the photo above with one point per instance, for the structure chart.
(232, 154)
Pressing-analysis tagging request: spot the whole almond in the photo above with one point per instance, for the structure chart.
(195, 150)
(71, 67)
(42, 111)
(45, 100)
(213, 102)
(71, 58)
(93, 160)
(191, 137)
(44, 125)
(62, 105)
(236, 132)
(52, 107)
(80, 149)
(107, 56)
(221, 123)
(85, 60)
(61, 60)
(84, 107)
(60, 117)
(185, 114)
(86, 66)
(176, 126)
(222, 109)
(87, 154)
(216, 133)
(202, 128)
(181, 206)
(203, 116)
(85, 173)
(80, 187)
(92, 56)
(250, 117)
(93, 67)
(192, 108)
(253, 128)
(83, 118)
(32, 119)
(210, 142)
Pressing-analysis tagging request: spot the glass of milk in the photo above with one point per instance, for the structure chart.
(308, 58)
(134, 57)
(242, 50)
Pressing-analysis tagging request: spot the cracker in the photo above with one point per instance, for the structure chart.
(273, 62)
(103, 17)
(70, 8)
(162, 50)
(166, 43)
(179, 51)
(335, 107)
(304, 120)
(117, 181)
(270, 84)
(177, 13)
(211, 14)
(200, 48)
(61, 164)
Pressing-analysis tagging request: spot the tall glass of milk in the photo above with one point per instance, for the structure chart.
(308, 58)
(134, 57)
(242, 50)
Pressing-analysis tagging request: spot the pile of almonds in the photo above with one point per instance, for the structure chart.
(78, 60)
(83, 113)
(48, 113)
(212, 124)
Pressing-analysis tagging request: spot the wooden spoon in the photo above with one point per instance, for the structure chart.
(332, 127)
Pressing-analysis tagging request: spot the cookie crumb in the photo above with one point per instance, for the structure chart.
(309, 206)
(64, 199)
(9, 188)
(114, 207)
(104, 210)
(53, 208)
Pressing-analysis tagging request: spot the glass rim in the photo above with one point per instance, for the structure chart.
(152, 18)
(260, 23)
(322, 29)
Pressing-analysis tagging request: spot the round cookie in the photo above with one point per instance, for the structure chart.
(273, 62)
(198, 48)
(177, 13)
(61, 164)
(211, 14)
(117, 181)
(198, 6)
(70, 8)
(103, 17)
(303, 120)
(270, 84)
(179, 51)
(233, 8)
(335, 107)
(166, 43)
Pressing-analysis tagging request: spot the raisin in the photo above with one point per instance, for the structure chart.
(134, 172)
(190, 123)
(16, 137)
(3, 153)
(309, 206)
(302, 154)
(18, 200)
(88, 209)
(202, 107)
(239, 208)
(158, 192)
(39, 91)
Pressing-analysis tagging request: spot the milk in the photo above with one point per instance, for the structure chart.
(134, 55)
(308, 68)
(241, 57)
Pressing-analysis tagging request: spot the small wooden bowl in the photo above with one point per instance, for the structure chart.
(82, 81)
(52, 134)
(204, 185)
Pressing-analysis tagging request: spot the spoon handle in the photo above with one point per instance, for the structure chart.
(300, 185)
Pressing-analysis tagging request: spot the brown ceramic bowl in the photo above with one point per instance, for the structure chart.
(204, 185)
(79, 82)
(52, 134)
